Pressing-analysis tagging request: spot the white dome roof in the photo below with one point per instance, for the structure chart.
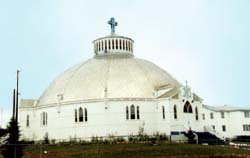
(122, 76)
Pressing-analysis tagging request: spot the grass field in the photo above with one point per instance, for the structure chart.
(133, 151)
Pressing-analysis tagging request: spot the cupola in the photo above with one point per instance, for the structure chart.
(113, 43)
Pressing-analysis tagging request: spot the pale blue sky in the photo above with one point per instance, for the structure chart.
(206, 42)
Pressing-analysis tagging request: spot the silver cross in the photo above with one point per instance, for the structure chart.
(113, 24)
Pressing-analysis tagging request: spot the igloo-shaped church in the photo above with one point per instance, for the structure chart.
(115, 93)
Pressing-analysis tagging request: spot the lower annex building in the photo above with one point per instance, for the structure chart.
(115, 93)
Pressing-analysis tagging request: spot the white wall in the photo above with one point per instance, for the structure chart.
(101, 121)
(110, 119)
(233, 121)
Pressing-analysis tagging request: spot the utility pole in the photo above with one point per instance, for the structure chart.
(1, 117)
(14, 103)
(17, 93)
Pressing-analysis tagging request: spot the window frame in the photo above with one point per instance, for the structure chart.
(246, 114)
(222, 114)
(137, 112)
(211, 115)
(27, 120)
(196, 114)
(175, 112)
(127, 113)
(76, 116)
(81, 117)
(163, 113)
(132, 112)
(187, 107)
(224, 129)
(85, 115)
(203, 116)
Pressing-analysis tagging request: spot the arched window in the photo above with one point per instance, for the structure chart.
(27, 120)
(75, 115)
(46, 118)
(127, 114)
(175, 112)
(85, 114)
(163, 112)
(132, 112)
(43, 118)
(80, 115)
(138, 112)
(196, 113)
(187, 107)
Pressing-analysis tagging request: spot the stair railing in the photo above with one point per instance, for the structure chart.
(3, 139)
(214, 132)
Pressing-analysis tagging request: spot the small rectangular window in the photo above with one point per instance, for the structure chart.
(223, 128)
(222, 115)
(246, 127)
(246, 114)
(212, 115)
(203, 116)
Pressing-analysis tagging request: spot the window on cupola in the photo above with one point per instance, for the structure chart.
(120, 44)
(123, 45)
(105, 45)
(187, 107)
(113, 44)
(109, 44)
(116, 44)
